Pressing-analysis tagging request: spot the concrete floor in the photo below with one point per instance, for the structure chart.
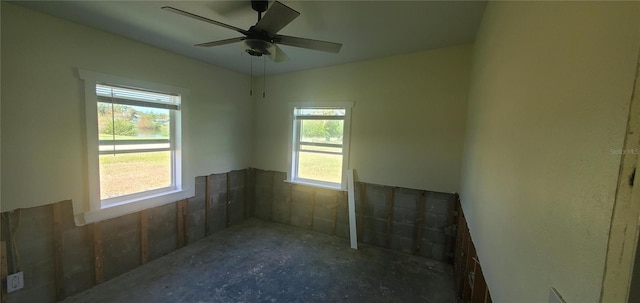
(259, 261)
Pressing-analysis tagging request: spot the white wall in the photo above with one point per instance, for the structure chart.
(407, 123)
(549, 98)
(43, 137)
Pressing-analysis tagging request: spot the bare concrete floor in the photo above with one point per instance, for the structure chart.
(259, 261)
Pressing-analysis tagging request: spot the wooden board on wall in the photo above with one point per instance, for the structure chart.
(3, 271)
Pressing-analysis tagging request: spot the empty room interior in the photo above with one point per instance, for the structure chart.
(320, 151)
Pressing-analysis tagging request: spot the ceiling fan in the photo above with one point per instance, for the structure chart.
(262, 38)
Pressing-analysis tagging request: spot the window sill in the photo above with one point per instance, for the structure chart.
(132, 206)
(338, 188)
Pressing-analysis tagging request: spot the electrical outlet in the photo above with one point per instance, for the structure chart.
(15, 282)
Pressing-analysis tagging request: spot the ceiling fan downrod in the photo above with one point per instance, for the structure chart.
(259, 6)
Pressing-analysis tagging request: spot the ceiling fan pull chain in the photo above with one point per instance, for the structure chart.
(264, 76)
(251, 76)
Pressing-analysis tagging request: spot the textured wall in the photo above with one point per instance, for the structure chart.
(549, 98)
(407, 124)
(43, 127)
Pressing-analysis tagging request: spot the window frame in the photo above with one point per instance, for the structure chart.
(98, 209)
(174, 108)
(294, 142)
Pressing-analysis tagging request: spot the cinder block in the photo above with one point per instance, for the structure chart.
(435, 236)
(77, 253)
(402, 244)
(200, 184)
(237, 179)
(342, 230)
(121, 254)
(237, 206)
(324, 211)
(162, 230)
(374, 231)
(439, 203)
(41, 293)
(114, 228)
(263, 181)
(195, 226)
(77, 282)
(263, 206)
(218, 218)
(39, 273)
(218, 185)
(196, 204)
(323, 226)
(433, 220)
(439, 252)
(281, 210)
(426, 249)
(403, 230)
(404, 215)
(377, 199)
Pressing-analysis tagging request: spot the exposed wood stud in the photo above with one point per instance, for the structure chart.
(3, 272)
(227, 206)
(58, 249)
(181, 223)
(185, 220)
(246, 196)
(207, 204)
(313, 209)
(390, 214)
(363, 199)
(289, 202)
(98, 256)
(419, 222)
(144, 237)
(273, 192)
(452, 222)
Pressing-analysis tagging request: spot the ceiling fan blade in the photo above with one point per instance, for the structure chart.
(221, 42)
(277, 55)
(276, 18)
(309, 43)
(194, 16)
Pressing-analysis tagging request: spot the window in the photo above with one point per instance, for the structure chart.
(133, 142)
(319, 144)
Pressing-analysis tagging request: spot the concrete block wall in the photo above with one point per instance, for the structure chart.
(60, 259)
(407, 220)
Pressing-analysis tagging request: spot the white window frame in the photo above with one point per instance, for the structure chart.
(294, 129)
(102, 209)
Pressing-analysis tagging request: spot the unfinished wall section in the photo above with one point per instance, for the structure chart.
(407, 220)
(60, 259)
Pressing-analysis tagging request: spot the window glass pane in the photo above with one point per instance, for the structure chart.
(320, 112)
(124, 174)
(321, 167)
(126, 122)
(322, 131)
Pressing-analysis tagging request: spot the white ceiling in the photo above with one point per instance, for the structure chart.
(367, 29)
